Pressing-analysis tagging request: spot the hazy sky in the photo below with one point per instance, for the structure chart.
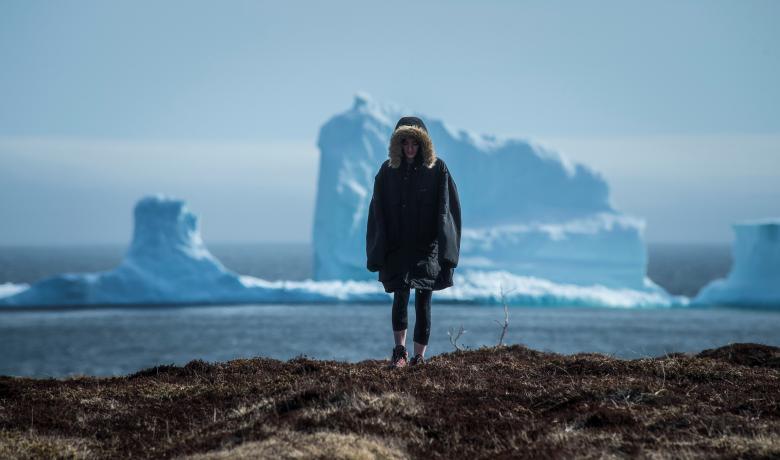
(677, 103)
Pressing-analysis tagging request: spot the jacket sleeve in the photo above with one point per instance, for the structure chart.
(376, 237)
(449, 219)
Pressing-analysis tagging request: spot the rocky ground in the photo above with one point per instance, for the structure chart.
(493, 402)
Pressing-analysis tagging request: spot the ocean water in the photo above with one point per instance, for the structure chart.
(118, 341)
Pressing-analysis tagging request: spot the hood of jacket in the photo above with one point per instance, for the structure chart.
(415, 128)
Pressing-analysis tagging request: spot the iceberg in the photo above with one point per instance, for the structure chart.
(168, 263)
(754, 278)
(536, 226)
(526, 209)
(9, 289)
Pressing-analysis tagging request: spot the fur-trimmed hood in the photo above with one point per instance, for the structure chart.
(411, 127)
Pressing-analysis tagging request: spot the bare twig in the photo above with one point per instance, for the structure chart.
(454, 340)
(505, 325)
(663, 383)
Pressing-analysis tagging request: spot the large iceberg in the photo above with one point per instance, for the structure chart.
(536, 227)
(168, 263)
(754, 279)
(526, 210)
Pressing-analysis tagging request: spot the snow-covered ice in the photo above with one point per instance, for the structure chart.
(754, 278)
(168, 263)
(9, 289)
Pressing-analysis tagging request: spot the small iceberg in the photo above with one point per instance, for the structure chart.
(754, 279)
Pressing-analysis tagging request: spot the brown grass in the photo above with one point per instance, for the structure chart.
(320, 444)
(492, 402)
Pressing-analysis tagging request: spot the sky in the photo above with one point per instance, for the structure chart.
(676, 103)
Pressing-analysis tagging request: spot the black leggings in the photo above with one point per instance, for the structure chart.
(422, 307)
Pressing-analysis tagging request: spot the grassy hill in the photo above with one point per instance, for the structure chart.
(492, 402)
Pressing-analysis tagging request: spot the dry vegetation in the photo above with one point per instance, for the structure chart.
(497, 402)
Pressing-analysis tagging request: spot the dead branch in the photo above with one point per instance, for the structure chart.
(505, 325)
(454, 339)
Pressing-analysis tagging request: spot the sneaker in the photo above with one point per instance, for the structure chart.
(418, 360)
(400, 357)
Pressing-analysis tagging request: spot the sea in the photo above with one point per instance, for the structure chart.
(114, 341)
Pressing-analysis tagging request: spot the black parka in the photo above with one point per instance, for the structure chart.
(413, 230)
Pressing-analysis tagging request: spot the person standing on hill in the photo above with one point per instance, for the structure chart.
(413, 231)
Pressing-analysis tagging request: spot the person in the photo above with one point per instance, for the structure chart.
(413, 232)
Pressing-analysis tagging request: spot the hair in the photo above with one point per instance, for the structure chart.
(395, 150)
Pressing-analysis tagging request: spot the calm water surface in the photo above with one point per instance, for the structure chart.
(117, 341)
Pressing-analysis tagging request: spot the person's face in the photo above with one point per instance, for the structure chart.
(410, 147)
